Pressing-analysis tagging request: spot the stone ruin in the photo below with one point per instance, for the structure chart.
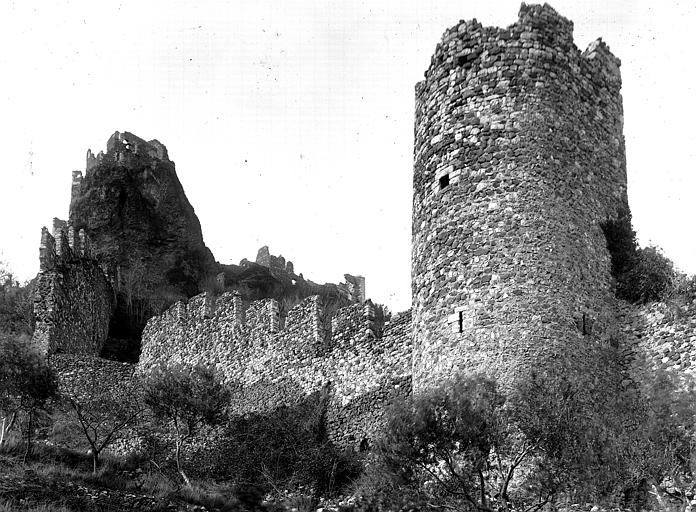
(519, 160)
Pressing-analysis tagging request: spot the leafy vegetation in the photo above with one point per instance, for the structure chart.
(16, 304)
(26, 385)
(642, 274)
(468, 446)
(283, 450)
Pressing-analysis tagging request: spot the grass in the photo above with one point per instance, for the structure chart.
(14, 506)
(41, 481)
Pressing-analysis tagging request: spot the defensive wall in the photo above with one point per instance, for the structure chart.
(73, 301)
(660, 337)
(356, 354)
(518, 160)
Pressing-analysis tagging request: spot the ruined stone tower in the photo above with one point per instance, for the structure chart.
(519, 158)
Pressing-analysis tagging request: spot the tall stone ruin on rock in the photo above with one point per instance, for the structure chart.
(518, 160)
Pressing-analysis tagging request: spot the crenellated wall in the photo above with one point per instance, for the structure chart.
(361, 357)
(73, 300)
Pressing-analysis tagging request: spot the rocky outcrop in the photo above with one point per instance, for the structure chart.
(143, 229)
(135, 211)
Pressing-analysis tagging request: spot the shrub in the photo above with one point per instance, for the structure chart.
(16, 304)
(651, 278)
(669, 427)
(466, 445)
(26, 385)
(286, 448)
(642, 275)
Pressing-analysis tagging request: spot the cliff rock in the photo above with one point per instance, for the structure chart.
(142, 228)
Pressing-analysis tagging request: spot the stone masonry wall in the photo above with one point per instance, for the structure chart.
(271, 363)
(73, 300)
(77, 373)
(519, 156)
(661, 337)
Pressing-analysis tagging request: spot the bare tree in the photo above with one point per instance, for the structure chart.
(185, 398)
(106, 411)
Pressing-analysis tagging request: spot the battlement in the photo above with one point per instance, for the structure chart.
(540, 35)
(316, 327)
(63, 245)
(601, 61)
(543, 21)
(122, 146)
(358, 353)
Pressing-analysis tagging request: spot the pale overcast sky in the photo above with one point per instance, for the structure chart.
(291, 123)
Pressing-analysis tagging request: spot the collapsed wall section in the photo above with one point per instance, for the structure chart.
(518, 158)
(272, 364)
(73, 300)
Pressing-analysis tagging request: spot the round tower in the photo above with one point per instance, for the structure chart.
(518, 160)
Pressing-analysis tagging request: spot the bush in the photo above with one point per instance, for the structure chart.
(651, 278)
(286, 448)
(463, 445)
(466, 446)
(16, 304)
(26, 385)
(642, 275)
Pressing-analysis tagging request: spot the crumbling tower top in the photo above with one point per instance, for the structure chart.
(122, 145)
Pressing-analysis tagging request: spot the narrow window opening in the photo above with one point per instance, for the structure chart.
(461, 321)
(444, 181)
(587, 324)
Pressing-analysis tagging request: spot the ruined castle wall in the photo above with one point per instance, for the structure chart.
(272, 362)
(73, 300)
(661, 337)
(353, 422)
(78, 373)
(519, 157)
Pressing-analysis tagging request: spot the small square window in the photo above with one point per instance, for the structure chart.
(444, 181)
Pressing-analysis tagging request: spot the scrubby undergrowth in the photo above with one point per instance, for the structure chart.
(61, 480)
